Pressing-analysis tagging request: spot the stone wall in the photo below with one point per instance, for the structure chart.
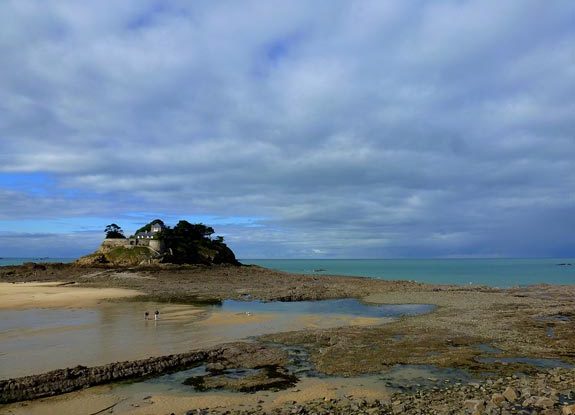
(141, 242)
(112, 243)
(68, 380)
(157, 245)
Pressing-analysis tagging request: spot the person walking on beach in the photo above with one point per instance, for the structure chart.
(146, 315)
(156, 315)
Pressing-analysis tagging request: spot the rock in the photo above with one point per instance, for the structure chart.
(497, 399)
(526, 392)
(474, 405)
(510, 394)
(544, 402)
(568, 410)
(490, 409)
(398, 408)
(265, 378)
(530, 401)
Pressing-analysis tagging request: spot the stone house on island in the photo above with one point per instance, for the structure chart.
(149, 240)
(152, 234)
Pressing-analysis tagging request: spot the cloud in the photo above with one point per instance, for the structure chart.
(361, 129)
(53, 245)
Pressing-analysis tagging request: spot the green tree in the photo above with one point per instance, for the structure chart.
(113, 231)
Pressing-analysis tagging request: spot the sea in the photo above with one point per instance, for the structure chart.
(501, 273)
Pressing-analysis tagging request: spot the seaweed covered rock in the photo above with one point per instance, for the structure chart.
(244, 380)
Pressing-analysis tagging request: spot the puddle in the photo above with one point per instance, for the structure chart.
(38, 340)
(412, 377)
(553, 321)
(300, 362)
(487, 348)
(536, 362)
(558, 318)
(350, 307)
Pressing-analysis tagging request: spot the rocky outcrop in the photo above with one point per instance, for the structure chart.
(120, 254)
(241, 380)
(239, 369)
(67, 380)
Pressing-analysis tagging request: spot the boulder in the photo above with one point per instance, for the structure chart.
(510, 394)
(544, 402)
(474, 405)
(497, 399)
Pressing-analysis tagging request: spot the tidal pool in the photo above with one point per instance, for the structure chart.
(37, 340)
(346, 306)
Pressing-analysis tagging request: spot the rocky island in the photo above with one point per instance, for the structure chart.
(156, 243)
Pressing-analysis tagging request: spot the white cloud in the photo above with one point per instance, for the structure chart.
(378, 127)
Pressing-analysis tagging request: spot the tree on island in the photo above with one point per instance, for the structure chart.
(193, 244)
(148, 227)
(113, 231)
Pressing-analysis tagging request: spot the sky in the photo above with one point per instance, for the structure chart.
(297, 129)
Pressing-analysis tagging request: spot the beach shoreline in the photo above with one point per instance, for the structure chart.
(56, 294)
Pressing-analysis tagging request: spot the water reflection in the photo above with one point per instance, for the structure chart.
(37, 340)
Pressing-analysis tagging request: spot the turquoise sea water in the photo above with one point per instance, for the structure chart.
(492, 272)
(18, 261)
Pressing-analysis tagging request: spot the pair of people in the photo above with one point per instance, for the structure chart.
(156, 315)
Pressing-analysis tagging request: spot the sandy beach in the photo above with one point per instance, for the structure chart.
(140, 401)
(15, 296)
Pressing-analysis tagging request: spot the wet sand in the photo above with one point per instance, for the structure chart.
(139, 399)
(14, 296)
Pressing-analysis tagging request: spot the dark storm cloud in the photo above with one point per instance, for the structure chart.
(340, 128)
